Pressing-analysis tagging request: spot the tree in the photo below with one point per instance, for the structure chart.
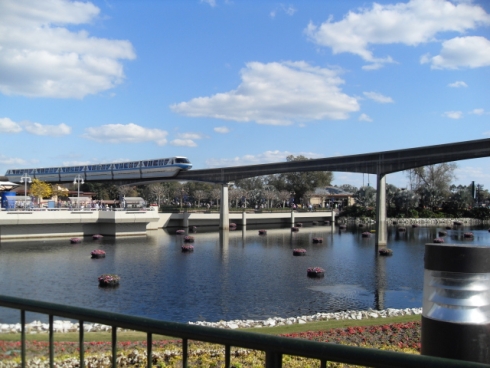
(300, 182)
(283, 196)
(158, 191)
(365, 197)
(199, 195)
(216, 194)
(40, 189)
(349, 188)
(432, 183)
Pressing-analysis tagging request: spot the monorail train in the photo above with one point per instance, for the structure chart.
(158, 168)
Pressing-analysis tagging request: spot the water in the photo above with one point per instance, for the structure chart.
(240, 276)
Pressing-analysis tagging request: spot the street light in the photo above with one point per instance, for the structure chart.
(78, 180)
(24, 179)
(182, 191)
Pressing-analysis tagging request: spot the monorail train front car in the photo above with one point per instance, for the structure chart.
(158, 168)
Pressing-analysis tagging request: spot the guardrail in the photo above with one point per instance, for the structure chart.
(273, 346)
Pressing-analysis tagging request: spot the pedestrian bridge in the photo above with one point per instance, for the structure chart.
(378, 163)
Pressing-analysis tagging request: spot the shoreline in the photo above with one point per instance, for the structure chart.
(63, 326)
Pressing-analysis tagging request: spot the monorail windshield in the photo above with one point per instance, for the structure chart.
(182, 160)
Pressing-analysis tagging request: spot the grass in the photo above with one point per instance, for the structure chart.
(279, 330)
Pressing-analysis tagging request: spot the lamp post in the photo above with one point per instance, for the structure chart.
(78, 179)
(24, 179)
(182, 191)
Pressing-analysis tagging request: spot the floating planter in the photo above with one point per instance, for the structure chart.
(361, 225)
(468, 235)
(194, 229)
(97, 253)
(448, 227)
(189, 239)
(385, 252)
(401, 229)
(457, 223)
(109, 280)
(415, 225)
(75, 240)
(187, 248)
(366, 234)
(299, 252)
(262, 232)
(97, 236)
(315, 272)
(438, 240)
(294, 229)
(299, 224)
(180, 231)
(317, 240)
(232, 224)
(315, 222)
(442, 233)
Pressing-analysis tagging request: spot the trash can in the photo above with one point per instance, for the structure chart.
(456, 302)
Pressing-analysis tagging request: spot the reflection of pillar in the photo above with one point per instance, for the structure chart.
(185, 219)
(381, 229)
(224, 240)
(224, 216)
(333, 219)
(380, 284)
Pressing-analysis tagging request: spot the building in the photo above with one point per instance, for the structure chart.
(331, 197)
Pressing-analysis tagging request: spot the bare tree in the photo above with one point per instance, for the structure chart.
(216, 194)
(158, 191)
(283, 196)
(199, 195)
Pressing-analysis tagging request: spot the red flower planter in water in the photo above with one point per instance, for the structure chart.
(109, 280)
(262, 232)
(366, 234)
(189, 239)
(438, 240)
(97, 253)
(317, 240)
(299, 252)
(468, 235)
(294, 229)
(385, 252)
(187, 248)
(75, 240)
(180, 232)
(315, 272)
(97, 236)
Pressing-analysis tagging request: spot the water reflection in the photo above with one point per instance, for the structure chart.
(230, 275)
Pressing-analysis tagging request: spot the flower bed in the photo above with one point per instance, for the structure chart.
(189, 239)
(317, 240)
(187, 248)
(109, 280)
(385, 252)
(315, 272)
(75, 240)
(438, 240)
(468, 235)
(366, 234)
(299, 252)
(97, 253)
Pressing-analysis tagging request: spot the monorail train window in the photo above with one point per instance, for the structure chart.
(166, 161)
(181, 160)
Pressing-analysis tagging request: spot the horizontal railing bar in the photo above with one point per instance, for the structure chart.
(249, 340)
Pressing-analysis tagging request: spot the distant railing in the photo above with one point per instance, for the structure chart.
(273, 346)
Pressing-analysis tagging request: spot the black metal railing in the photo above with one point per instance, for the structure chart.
(273, 346)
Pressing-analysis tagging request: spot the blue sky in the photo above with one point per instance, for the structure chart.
(241, 82)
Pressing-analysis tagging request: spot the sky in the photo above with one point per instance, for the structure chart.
(241, 82)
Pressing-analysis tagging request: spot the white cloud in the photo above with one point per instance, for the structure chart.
(478, 112)
(222, 130)
(460, 52)
(277, 94)
(183, 143)
(211, 3)
(51, 130)
(5, 160)
(287, 9)
(467, 174)
(378, 97)
(129, 133)
(453, 114)
(191, 136)
(9, 126)
(410, 23)
(458, 84)
(41, 57)
(364, 117)
(263, 158)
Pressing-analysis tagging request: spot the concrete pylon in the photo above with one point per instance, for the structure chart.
(381, 230)
(224, 215)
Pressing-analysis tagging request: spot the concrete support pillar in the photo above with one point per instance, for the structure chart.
(224, 215)
(244, 218)
(185, 219)
(333, 218)
(292, 218)
(381, 229)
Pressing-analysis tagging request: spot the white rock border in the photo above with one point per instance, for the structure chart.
(68, 326)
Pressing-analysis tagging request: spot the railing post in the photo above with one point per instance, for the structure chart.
(273, 359)
(185, 352)
(114, 346)
(81, 342)
(51, 341)
(149, 347)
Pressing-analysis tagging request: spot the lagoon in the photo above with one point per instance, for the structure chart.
(235, 275)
